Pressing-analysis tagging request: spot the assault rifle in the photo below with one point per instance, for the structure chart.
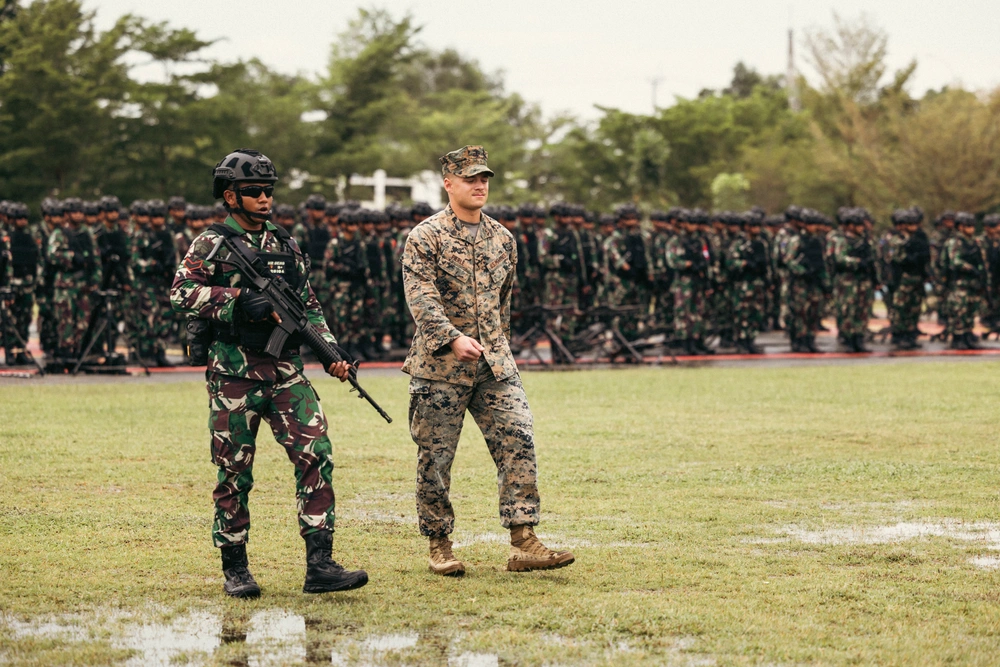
(288, 305)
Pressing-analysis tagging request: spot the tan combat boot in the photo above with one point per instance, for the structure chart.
(528, 553)
(442, 560)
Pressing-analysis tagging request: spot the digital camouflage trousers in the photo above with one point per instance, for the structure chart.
(292, 409)
(500, 408)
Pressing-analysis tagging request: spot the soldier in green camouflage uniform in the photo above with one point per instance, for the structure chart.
(990, 241)
(629, 259)
(21, 275)
(970, 281)
(563, 262)
(909, 257)
(77, 274)
(944, 229)
(664, 226)
(748, 264)
(854, 279)
(245, 385)
(458, 269)
(346, 274)
(807, 275)
(688, 257)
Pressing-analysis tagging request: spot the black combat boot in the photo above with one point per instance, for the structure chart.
(161, 360)
(859, 344)
(810, 344)
(958, 342)
(972, 340)
(752, 347)
(323, 574)
(239, 582)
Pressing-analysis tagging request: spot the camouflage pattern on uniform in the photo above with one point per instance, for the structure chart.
(561, 259)
(854, 282)
(292, 409)
(663, 299)
(807, 274)
(747, 261)
(456, 285)
(500, 408)
(969, 282)
(687, 256)
(245, 385)
(909, 260)
(77, 272)
(630, 248)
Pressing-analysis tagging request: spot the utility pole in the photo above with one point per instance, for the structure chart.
(655, 83)
(791, 82)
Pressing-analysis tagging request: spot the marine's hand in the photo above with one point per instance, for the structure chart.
(339, 370)
(466, 348)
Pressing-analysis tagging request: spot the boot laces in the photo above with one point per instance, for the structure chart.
(441, 550)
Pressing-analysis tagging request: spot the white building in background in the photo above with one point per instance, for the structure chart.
(425, 186)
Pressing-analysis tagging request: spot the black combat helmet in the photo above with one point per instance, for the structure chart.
(627, 211)
(963, 218)
(316, 202)
(73, 205)
(176, 202)
(17, 210)
(244, 165)
(157, 208)
(110, 203)
(91, 208)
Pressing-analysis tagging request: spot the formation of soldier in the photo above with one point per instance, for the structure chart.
(687, 275)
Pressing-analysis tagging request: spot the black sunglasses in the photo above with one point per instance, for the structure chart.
(253, 191)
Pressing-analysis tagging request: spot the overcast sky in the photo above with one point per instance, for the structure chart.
(570, 56)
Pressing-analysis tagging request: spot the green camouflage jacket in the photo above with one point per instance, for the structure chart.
(456, 287)
(209, 290)
(73, 255)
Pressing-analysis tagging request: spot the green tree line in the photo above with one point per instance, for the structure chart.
(75, 120)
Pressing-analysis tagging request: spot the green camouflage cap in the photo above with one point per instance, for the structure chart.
(466, 161)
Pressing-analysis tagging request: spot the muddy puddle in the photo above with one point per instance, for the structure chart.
(984, 534)
(270, 638)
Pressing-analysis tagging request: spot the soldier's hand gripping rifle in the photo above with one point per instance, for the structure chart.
(289, 307)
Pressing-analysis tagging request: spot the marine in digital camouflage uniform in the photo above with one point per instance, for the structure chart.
(967, 266)
(245, 385)
(664, 226)
(458, 270)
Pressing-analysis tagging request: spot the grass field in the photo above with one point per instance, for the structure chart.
(825, 515)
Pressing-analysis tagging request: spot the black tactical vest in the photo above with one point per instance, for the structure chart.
(25, 254)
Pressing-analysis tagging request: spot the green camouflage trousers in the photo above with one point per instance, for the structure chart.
(852, 295)
(748, 308)
(21, 304)
(805, 303)
(71, 309)
(561, 289)
(154, 315)
(689, 307)
(437, 411)
(906, 300)
(964, 301)
(292, 409)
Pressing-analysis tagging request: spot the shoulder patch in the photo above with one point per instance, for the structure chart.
(192, 264)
